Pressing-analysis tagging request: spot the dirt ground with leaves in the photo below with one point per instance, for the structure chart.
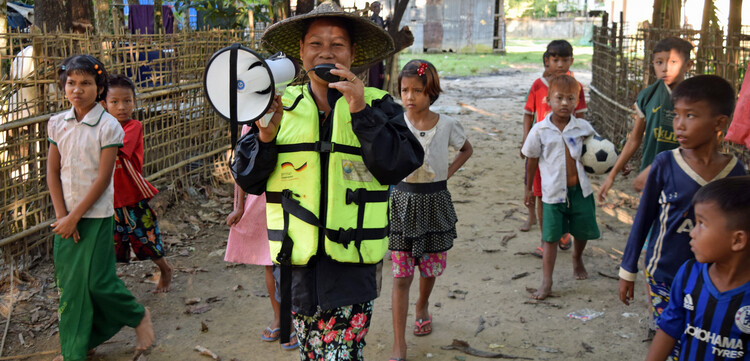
(482, 298)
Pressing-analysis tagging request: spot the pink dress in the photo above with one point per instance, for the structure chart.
(248, 239)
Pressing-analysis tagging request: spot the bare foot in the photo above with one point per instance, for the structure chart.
(165, 279)
(58, 358)
(144, 332)
(543, 291)
(579, 271)
(527, 225)
(292, 344)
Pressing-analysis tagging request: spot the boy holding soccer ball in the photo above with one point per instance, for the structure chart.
(703, 105)
(554, 145)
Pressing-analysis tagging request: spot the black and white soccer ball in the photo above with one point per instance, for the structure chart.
(598, 155)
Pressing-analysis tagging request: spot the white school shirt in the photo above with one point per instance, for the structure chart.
(545, 141)
(80, 145)
(447, 132)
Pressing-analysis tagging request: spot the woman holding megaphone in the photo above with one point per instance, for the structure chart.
(325, 160)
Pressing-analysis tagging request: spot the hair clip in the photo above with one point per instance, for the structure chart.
(62, 67)
(99, 72)
(96, 66)
(421, 69)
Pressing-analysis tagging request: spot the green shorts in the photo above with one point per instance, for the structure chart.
(577, 216)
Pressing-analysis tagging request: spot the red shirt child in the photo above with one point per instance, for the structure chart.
(129, 182)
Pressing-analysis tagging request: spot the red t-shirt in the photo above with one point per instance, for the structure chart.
(130, 186)
(536, 102)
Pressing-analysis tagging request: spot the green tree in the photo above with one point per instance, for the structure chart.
(530, 8)
(227, 14)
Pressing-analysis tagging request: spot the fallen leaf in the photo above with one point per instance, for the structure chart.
(192, 301)
(198, 309)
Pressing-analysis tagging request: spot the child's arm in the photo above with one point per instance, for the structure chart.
(531, 165)
(463, 155)
(648, 212)
(132, 139)
(239, 206)
(528, 122)
(67, 224)
(532, 149)
(55, 189)
(640, 181)
(661, 346)
(631, 146)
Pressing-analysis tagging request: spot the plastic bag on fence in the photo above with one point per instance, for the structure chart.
(739, 130)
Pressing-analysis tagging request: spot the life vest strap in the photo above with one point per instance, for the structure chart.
(320, 147)
(342, 236)
(285, 259)
(360, 195)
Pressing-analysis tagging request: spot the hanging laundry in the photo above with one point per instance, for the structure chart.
(141, 19)
(739, 130)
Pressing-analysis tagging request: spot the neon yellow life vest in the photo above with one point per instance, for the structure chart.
(343, 203)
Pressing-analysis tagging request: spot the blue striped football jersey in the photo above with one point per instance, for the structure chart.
(709, 324)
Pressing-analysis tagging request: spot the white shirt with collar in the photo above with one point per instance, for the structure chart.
(546, 142)
(80, 145)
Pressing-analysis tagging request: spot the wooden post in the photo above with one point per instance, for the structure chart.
(733, 42)
(251, 25)
(102, 16)
(3, 25)
(158, 22)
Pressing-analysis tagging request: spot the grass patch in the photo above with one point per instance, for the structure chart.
(522, 54)
(461, 65)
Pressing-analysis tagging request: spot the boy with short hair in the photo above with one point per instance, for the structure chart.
(554, 146)
(557, 60)
(654, 112)
(709, 304)
(703, 105)
(135, 223)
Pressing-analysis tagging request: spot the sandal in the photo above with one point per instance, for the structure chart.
(290, 345)
(420, 324)
(566, 241)
(275, 334)
(538, 252)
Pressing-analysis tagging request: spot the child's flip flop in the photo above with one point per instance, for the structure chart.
(271, 332)
(420, 324)
(538, 252)
(566, 241)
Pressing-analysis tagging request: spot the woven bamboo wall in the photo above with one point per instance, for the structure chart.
(621, 68)
(184, 141)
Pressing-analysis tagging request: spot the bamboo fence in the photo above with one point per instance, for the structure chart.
(185, 143)
(621, 68)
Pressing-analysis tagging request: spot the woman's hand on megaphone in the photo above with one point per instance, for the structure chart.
(352, 88)
(268, 133)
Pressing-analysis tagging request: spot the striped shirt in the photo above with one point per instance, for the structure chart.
(666, 211)
(710, 325)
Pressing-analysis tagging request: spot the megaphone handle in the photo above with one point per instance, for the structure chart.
(265, 119)
(233, 124)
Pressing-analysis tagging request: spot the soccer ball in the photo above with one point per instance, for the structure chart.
(598, 155)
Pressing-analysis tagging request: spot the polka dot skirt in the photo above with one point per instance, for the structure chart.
(422, 223)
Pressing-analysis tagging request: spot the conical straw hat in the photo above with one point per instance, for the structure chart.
(373, 42)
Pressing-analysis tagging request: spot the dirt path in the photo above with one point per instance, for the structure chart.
(482, 297)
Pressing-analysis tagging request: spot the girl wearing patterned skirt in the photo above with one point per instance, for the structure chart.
(422, 219)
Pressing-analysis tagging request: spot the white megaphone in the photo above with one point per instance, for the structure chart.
(240, 85)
